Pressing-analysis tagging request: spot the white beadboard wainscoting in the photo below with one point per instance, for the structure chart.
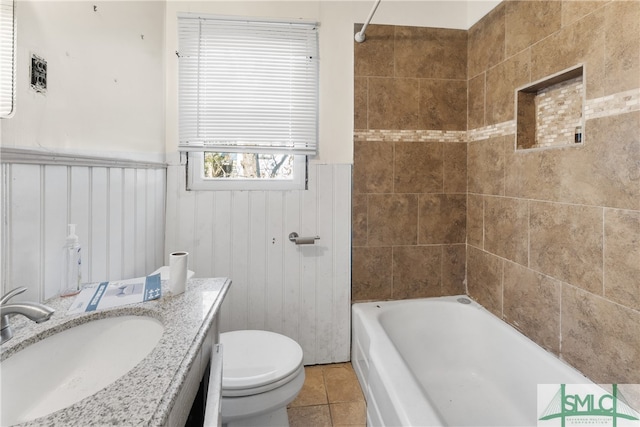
(301, 291)
(118, 206)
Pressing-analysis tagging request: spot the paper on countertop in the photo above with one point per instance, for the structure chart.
(165, 273)
(117, 293)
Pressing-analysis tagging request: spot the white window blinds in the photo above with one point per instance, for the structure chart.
(7, 57)
(247, 86)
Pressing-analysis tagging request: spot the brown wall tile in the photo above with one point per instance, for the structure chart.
(441, 104)
(572, 10)
(372, 168)
(622, 257)
(454, 269)
(613, 150)
(502, 80)
(442, 218)
(600, 338)
(524, 174)
(392, 219)
(566, 243)
(418, 167)
(526, 120)
(435, 53)
(548, 175)
(532, 304)
(486, 47)
(455, 167)
(375, 57)
(371, 273)
(475, 220)
(476, 99)
(506, 228)
(528, 22)
(581, 42)
(484, 279)
(622, 46)
(417, 271)
(359, 208)
(603, 172)
(360, 89)
(485, 167)
(394, 103)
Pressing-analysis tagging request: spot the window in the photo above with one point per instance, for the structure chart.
(7, 57)
(248, 101)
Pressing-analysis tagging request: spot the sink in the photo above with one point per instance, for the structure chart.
(63, 369)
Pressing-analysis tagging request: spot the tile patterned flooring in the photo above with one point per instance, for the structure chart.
(330, 396)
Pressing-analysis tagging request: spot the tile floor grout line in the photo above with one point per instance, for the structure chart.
(326, 392)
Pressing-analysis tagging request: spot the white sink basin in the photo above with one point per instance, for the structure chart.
(64, 368)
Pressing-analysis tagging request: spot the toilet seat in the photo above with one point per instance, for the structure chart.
(258, 361)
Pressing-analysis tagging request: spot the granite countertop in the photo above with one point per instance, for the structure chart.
(147, 393)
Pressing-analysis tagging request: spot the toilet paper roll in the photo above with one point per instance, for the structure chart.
(178, 265)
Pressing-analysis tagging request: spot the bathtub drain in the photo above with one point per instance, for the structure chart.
(463, 300)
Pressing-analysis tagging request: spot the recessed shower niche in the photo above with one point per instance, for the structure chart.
(550, 112)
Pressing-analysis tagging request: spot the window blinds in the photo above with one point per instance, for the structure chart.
(7, 57)
(247, 86)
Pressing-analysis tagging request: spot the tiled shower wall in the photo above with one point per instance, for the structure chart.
(552, 236)
(409, 185)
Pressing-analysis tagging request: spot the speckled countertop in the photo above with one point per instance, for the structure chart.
(146, 394)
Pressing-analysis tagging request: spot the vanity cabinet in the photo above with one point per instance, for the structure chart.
(202, 387)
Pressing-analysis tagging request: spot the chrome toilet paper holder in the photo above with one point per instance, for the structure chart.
(295, 238)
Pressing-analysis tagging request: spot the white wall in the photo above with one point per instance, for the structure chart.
(105, 79)
(105, 99)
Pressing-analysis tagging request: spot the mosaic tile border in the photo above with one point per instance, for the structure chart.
(411, 135)
(491, 131)
(610, 105)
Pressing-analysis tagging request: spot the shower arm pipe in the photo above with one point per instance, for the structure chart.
(360, 37)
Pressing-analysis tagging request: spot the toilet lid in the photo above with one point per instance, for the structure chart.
(256, 358)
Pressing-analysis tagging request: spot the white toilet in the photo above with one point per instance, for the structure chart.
(261, 373)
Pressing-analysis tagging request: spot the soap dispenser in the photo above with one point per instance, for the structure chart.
(71, 263)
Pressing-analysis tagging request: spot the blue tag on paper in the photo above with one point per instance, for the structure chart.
(152, 289)
(97, 296)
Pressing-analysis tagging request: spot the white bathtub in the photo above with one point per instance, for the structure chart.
(439, 362)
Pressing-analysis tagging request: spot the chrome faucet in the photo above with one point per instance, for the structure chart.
(35, 311)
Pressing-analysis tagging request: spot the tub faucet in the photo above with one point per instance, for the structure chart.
(35, 311)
